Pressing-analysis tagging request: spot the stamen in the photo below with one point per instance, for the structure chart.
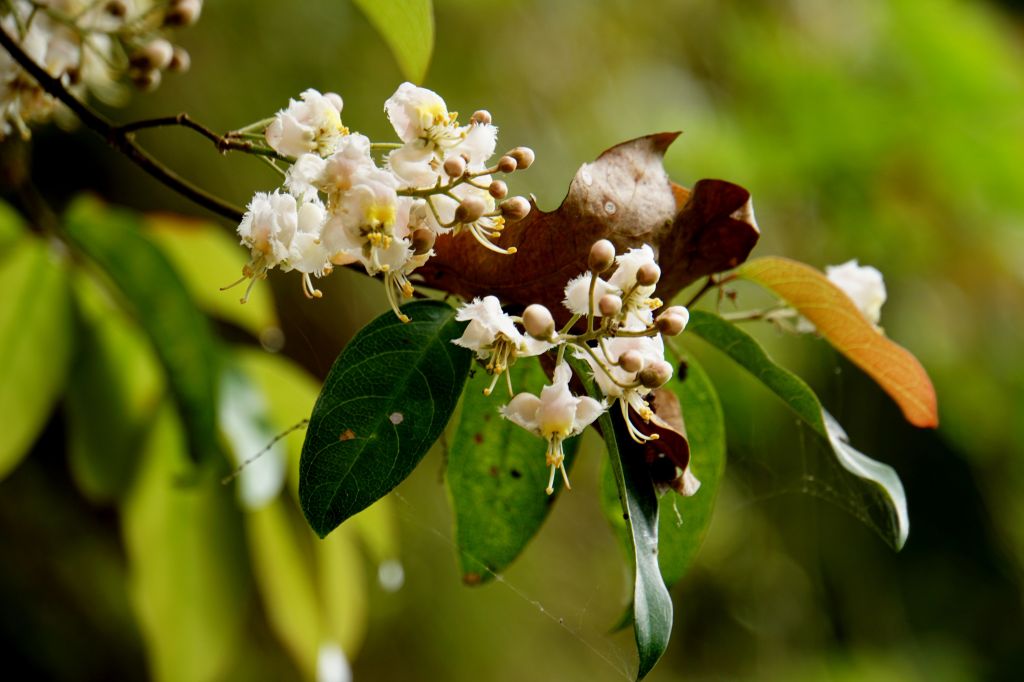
(494, 380)
(248, 290)
(234, 284)
(634, 433)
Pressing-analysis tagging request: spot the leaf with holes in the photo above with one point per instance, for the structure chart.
(652, 606)
(496, 477)
(407, 26)
(879, 484)
(839, 321)
(386, 400)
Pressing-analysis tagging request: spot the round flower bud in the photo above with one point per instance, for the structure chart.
(454, 166)
(507, 164)
(180, 61)
(515, 208)
(631, 361)
(655, 374)
(609, 305)
(482, 117)
(538, 322)
(524, 157)
(183, 12)
(470, 210)
(670, 324)
(602, 255)
(679, 310)
(498, 189)
(146, 80)
(116, 8)
(648, 274)
(422, 241)
(156, 54)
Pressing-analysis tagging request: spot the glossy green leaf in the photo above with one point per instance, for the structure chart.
(880, 484)
(496, 477)
(160, 302)
(114, 392)
(386, 400)
(36, 332)
(188, 575)
(652, 605)
(407, 26)
(207, 258)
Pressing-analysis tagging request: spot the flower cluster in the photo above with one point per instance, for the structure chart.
(91, 47)
(340, 205)
(621, 342)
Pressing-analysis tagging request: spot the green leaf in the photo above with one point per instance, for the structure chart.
(206, 257)
(386, 400)
(12, 228)
(188, 575)
(496, 477)
(160, 302)
(36, 332)
(114, 392)
(880, 484)
(407, 26)
(652, 605)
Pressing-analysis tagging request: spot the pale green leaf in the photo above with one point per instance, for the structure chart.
(407, 26)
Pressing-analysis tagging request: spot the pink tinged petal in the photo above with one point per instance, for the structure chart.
(522, 410)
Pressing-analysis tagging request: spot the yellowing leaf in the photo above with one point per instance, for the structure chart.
(839, 321)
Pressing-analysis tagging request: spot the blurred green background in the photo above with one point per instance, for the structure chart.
(891, 132)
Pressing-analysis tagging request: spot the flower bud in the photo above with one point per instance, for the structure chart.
(180, 61)
(602, 255)
(156, 54)
(515, 208)
(470, 210)
(116, 8)
(507, 164)
(498, 189)
(422, 241)
(655, 374)
(609, 305)
(631, 361)
(524, 157)
(670, 324)
(454, 166)
(679, 310)
(648, 274)
(146, 80)
(538, 322)
(483, 117)
(183, 12)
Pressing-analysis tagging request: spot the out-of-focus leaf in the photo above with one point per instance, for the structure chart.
(877, 479)
(682, 521)
(36, 332)
(188, 575)
(246, 424)
(342, 587)
(496, 477)
(290, 394)
(407, 26)
(652, 605)
(624, 196)
(160, 302)
(839, 321)
(11, 229)
(282, 561)
(114, 391)
(386, 400)
(207, 258)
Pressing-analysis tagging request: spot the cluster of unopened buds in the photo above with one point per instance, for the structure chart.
(90, 47)
(613, 328)
(338, 205)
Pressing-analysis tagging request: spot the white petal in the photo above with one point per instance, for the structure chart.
(578, 288)
(587, 410)
(522, 410)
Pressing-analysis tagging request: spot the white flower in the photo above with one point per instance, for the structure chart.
(367, 220)
(493, 335)
(420, 116)
(416, 166)
(863, 284)
(577, 292)
(310, 125)
(267, 228)
(306, 175)
(556, 415)
(350, 160)
(636, 298)
(478, 143)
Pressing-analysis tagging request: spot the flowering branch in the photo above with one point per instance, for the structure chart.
(117, 136)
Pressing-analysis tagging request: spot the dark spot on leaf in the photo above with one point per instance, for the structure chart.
(478, 438)
(471, 578)
(625, 517)
(683, 369)
(516, 473)
(487, 417)
(493, 471)
(347, 434)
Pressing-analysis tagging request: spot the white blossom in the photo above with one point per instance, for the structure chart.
(420, 116)
(367, 220)
(268, 227)
(636, 298)
(310, 125)
(556, 415)
(577, 293)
